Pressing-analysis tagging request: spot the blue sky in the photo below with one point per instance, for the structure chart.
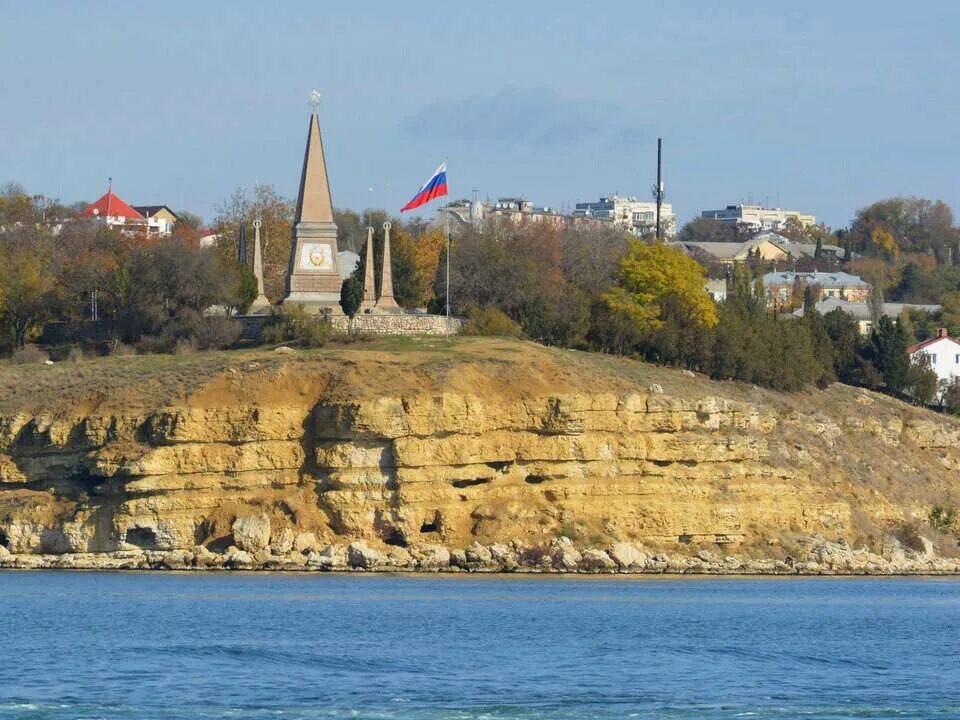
(824, 105)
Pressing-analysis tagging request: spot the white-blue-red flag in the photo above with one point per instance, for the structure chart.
(435, 187)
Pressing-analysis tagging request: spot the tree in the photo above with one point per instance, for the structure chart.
(889, 345)
(28, 287)
(649, 274)
(906, 224)
(708, 230)
(276, 214)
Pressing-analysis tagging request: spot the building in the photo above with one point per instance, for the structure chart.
(113, 211)
(941, 354)
(861, 311)
(799, 251)
(782, 287)
(756, 217)
(160, 219)
(518, 211)
(637, 216)
(730, 253)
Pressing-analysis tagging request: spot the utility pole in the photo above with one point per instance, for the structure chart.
(658, 189)
(446, 230)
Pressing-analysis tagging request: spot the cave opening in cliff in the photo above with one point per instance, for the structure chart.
(469, 483)
(4, 540)
(144, 538)
(432, 526)
(395, 538)
(534, 479)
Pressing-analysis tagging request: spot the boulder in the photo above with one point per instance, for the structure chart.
(478, 554)
(305, 542)
(235, 557)
(252, 533)
(431, 557)
(361, 555)
(282, 542)
(563, 554)
(593, 559)
(332, 557)
(504, 556)
(627, 557)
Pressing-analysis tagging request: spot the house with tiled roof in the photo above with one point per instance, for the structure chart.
(110, 209)
(782, 287)
(941, 354)
(113, 210)
(160, 219)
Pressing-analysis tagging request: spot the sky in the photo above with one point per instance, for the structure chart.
(821, 107)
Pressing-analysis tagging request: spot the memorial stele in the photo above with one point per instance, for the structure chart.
(314, 279)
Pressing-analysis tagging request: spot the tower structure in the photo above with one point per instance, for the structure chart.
(314, 277)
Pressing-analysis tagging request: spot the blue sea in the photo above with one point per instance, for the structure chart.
(172, 646)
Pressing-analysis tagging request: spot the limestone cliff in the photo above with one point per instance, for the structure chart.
(470, 454)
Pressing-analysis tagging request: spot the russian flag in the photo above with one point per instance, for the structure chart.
(435, 187)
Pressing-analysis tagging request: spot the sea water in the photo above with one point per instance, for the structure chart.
(97, 645)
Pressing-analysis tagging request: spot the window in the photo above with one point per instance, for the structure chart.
(933, 358)
(957, 360)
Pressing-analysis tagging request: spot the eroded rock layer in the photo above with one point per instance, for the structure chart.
(304, 467)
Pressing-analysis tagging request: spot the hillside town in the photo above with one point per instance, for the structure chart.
(745, 292)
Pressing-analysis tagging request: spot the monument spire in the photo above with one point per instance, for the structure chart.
(369, 289)
(314, 203)
(386, 302)
(314, 278)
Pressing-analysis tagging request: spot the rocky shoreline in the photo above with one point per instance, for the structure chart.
(559, 557)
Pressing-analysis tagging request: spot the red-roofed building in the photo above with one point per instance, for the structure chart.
(112, 210)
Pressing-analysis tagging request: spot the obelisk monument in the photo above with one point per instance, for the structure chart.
(314, 278)
(386, 302)
(369, 288)
(261, 305)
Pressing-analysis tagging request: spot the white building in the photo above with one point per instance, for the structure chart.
(637, 216)
(941, 354)
(756, 217)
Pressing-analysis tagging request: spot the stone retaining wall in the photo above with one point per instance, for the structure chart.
(398, 324)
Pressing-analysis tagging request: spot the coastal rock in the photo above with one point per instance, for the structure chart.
(564, 555)
(305, 542)
(282, 541)
(361, 555)
(593, 559)
(431, 557)
(627, 557)
(252, 533)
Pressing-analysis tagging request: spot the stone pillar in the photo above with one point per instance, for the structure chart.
(261, 305)
(386, 303)
(369, 288)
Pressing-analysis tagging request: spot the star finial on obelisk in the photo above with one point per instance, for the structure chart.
(315, 101)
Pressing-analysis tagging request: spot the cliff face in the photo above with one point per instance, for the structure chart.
(493, 455)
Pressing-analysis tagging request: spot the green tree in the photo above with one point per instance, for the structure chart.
(889, 344)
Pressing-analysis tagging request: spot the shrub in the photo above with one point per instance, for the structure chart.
(296, 326)
(943, 518)
(29, 354)
(217, 333)
(490, 321)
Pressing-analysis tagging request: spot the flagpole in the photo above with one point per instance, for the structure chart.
(446, 229)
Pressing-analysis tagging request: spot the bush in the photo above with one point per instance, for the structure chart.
(490, 321)
(217, 333)
(943, 518)
(296, 326)
(29, 354)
